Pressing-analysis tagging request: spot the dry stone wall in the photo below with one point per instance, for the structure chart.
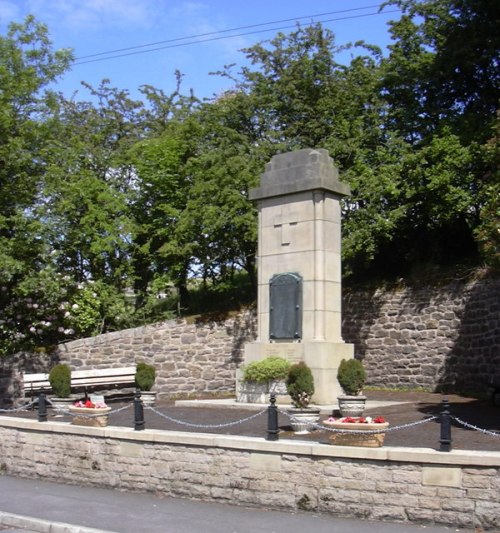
(445, 337)
(189, 357)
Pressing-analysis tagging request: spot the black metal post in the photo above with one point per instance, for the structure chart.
(139, 423)
(445, 419)
(272, 420)
(42, 408)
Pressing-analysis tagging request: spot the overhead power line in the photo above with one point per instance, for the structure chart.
(219, 35)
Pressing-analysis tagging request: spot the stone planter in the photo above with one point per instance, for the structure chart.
(352, 435)
(253, 392)
(79, 418)
(351, 405)
(303, 420)
(148, 397)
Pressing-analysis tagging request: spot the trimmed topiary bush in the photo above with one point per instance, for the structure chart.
(300, 385)
(351, 375)
(269, 369)
(145, 376)
(60, 380)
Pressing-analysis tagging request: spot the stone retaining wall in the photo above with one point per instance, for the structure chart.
(460, 489)
(435, 338)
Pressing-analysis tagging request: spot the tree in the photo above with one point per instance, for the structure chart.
(443, 68)
(219, 218)
(87, 182)
(159, 197)
(441, 84)
(27, 67)
(300, 97)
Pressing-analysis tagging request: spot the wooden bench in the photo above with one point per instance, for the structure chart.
(83, 379)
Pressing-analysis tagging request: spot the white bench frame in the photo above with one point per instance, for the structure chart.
(83, 379)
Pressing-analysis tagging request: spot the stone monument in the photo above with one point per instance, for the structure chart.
(299, 267)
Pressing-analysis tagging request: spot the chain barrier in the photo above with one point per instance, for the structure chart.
(376, 431)
(205, 426)
(363, 431)
(24, 407)
(475, 428)
(62, 410)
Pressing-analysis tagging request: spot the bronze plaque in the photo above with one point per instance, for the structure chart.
(286, 306)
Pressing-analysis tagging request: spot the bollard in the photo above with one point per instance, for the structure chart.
(445, 419)
(139, 423)
(272, 420)
(42, 408)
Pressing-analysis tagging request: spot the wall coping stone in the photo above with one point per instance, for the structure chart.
(256, 444)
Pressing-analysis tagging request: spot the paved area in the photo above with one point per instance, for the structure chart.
(399, 408)
(40, 506)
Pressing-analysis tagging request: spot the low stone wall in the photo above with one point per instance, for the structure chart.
(460, 489)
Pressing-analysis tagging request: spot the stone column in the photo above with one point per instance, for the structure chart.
(299, 233)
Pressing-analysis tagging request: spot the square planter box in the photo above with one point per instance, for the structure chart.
(94, 421)
(352, 436)
(252, 392)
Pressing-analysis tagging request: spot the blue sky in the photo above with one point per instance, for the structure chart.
(96, 26)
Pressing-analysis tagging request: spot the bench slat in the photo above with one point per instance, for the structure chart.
(96, 372)
(84, 378)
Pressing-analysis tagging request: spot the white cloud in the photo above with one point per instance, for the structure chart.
(198, 18)
(85, 14)
(9, 11)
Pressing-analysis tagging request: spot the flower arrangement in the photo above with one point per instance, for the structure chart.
(87, 404)
(357, 430)
(358, 420)
(89, 413)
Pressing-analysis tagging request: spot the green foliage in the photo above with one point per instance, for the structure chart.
(300, 384)
(487, 232)
(145, 376)
(268, 369)
(351, 376)
(60, 380)
(445, 52)
(235, 290)
(105, 204)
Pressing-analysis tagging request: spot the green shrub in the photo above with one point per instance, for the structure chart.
(351, 375)
(145, 376)
(300, 384)
(60, 380)
(269, 369)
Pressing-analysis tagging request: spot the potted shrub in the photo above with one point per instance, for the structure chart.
(260, 378)
(351, 376)
(60, 382)
(300, 387)
(145, 376)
